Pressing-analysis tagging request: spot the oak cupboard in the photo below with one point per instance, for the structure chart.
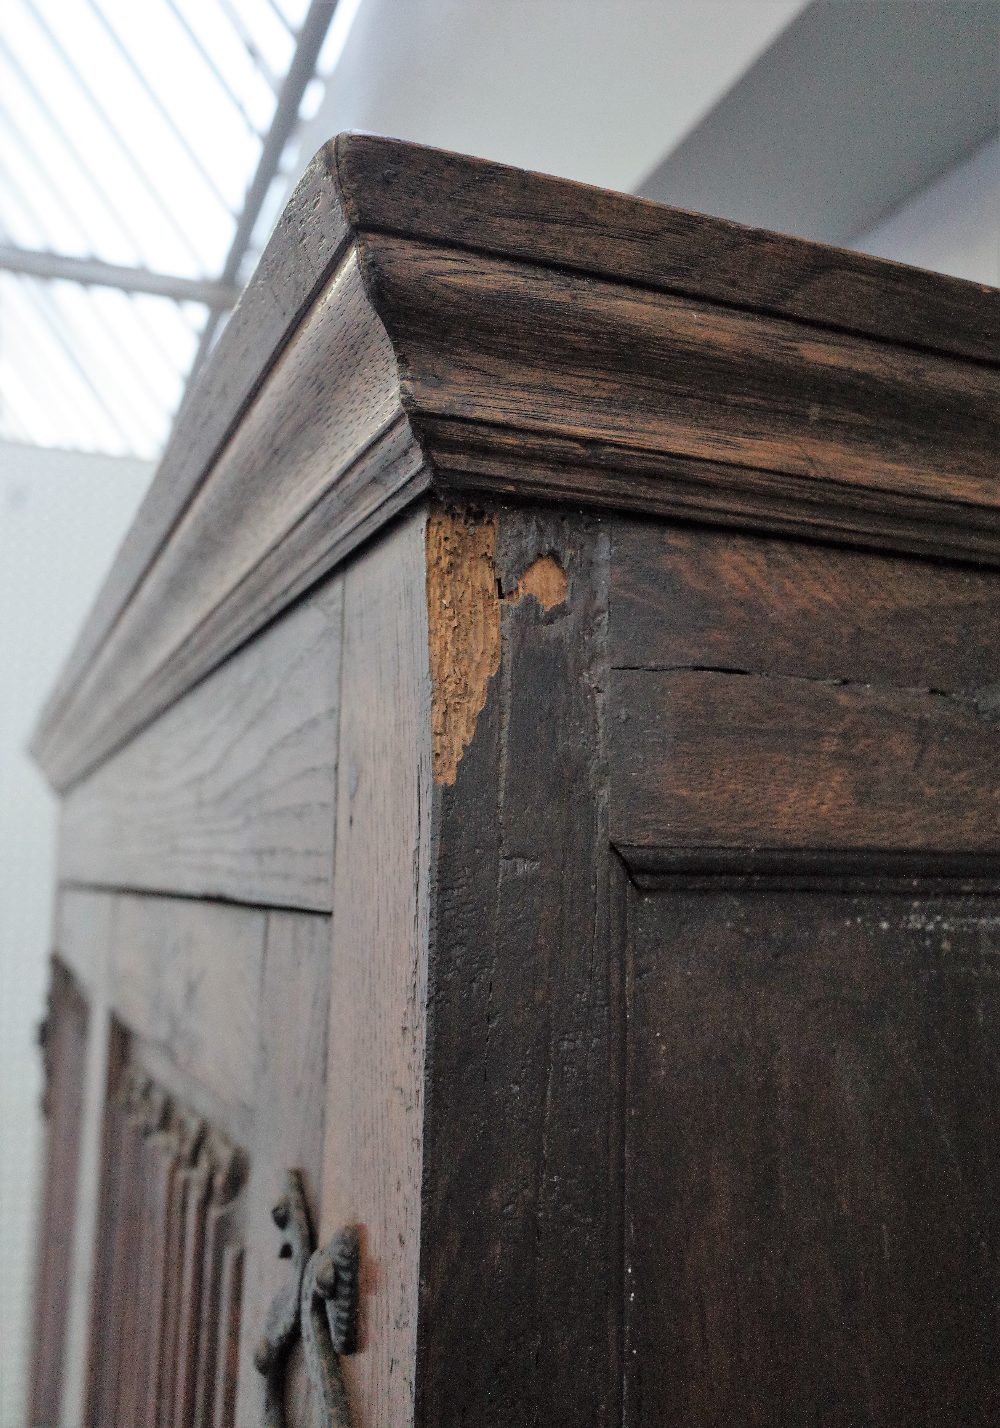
(527, 943)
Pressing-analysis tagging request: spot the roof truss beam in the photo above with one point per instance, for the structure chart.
(93, 272)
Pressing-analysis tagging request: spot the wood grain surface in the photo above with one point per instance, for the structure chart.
(67, 1033)
(810, 1166)
(683, 598)
(289, 1068)
(373, 1159)
(684, 367)
(650, 372)
(519, 1231)
(492, 208)
(231, 793)
(703, 760)
(185, 975)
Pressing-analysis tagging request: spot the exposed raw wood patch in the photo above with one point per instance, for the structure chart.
(463, 616)
(545, 579)
(464, 601)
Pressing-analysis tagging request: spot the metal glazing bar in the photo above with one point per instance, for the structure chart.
(28, 208)
(238, 23)
(220, 79)
(300, 72)
(92, 272)
(169, 363)
(158, 104)
(282, 16)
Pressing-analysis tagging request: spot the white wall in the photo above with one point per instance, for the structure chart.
(62, 516)
(953, 226)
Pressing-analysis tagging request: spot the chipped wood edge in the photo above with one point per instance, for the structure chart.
(463, 610)
(465, 598)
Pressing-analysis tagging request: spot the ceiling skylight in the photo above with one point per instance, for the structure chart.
(141, 150)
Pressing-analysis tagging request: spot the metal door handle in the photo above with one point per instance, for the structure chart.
(318, 1302)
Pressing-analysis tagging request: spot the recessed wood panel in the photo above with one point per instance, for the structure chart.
(231, 793)
(704, 760)
(683, 597)
(186, 977)
(813, 1229)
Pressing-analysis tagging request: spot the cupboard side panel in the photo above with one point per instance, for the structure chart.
(230, 793)
(374, 1105)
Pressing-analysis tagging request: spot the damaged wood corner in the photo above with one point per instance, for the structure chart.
(545, 581)
(463, 616)
(464, 600)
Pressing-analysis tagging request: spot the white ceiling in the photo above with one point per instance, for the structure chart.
(594, 90)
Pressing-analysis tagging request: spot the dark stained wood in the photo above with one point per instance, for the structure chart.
(518, 1230)
(231, 794)
(616, 828)
(703, 760)
(799, 394)
(66, 1036)
(537, 465)
(683, 599)
(811, 1164)
(492, 208)
(654, 373)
